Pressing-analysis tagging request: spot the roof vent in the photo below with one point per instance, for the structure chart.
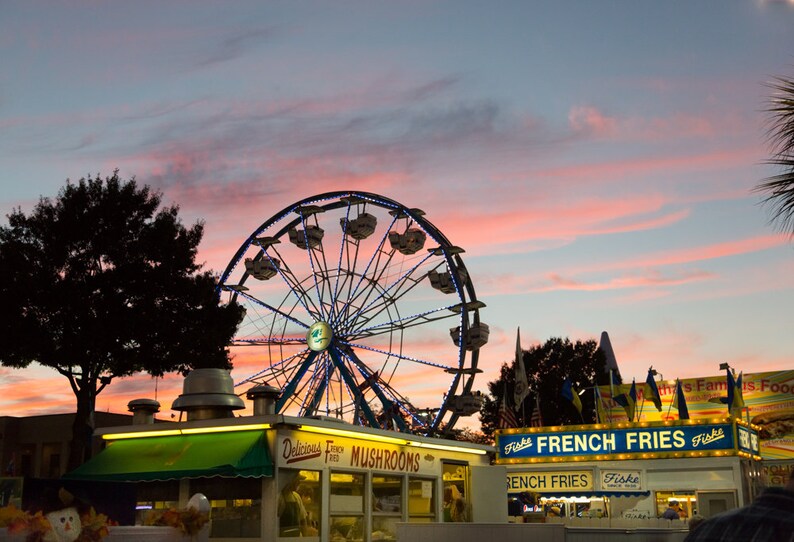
(264, 397)
(143, 410)
(208, 394)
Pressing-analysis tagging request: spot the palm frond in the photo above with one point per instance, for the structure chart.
(779, 188)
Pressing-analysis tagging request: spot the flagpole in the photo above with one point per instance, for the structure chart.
(670, 406)
(641, 405)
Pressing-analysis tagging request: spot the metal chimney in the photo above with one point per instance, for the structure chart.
(143, 410)
(264, 397)
(208, 394)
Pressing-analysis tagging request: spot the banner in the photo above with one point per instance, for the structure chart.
(682, 439)
(769, 398)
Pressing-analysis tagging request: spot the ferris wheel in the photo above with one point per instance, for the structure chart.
(358, 308)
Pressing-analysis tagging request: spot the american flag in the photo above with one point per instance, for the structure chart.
(507, 418)
(536, 420)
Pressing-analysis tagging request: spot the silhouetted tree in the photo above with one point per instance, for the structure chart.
(547, 367)
(779, 189)
(100, 284)
(467, 434)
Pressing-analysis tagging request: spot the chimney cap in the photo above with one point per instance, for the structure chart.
(262, 390)
(146, 405)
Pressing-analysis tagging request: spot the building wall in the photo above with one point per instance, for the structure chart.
(38, 446)
(665, 475)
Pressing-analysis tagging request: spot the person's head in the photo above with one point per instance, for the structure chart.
(451, 493)
(695, 521)
(293, 482)
(305, 493)
(673, 504)
(526, 498)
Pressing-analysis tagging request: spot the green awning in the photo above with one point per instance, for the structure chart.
(231, 454)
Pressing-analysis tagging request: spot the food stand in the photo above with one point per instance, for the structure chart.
(633, 470)
(355, 483)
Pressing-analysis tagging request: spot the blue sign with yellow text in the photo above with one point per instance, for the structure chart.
(621, 443)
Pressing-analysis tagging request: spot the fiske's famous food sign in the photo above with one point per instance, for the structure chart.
(769, 398)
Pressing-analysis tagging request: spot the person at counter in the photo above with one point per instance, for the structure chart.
(309, 505)
(455, 507)
(770, 518)
(554, 512)
(292, 516)
(673, 510)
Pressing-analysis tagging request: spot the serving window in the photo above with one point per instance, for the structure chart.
(346, 506)
(298, 504)
(158, 495)
(387, 505)
(421, 500)
(687, 502)
(457, 506)
(236, 508)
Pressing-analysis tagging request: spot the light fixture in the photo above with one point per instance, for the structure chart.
(353, 434)
(388, 440)
(447, 448)
(225, 429)
(141, 434)
(187, 431)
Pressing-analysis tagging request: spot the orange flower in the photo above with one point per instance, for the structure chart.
(189, 521)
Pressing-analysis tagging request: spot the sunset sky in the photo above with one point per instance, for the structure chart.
(596, 160)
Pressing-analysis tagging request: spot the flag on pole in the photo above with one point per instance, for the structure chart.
(616, 389)
(618, 395)
(507, 418)
(735, 396)
(569, 393)
(601, 411)
(521, 389)
(679, 401)
(738, 398)
(536, 420)
(631, 401)
(652, 391)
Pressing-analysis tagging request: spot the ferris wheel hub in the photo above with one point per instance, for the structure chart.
(319, 336)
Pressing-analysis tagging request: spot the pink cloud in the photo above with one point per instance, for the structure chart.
(591, 121)
(650, 275)
(653, 279)
(697, 254)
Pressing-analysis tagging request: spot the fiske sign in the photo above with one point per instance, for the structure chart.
(628, 441)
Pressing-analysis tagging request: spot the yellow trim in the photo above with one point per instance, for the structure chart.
(226, 429)
(309, 429)
(352, 434)
(187, 431)
(141, 434)
(389, 440)
(448, 448)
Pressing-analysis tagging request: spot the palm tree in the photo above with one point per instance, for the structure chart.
(779, 189)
